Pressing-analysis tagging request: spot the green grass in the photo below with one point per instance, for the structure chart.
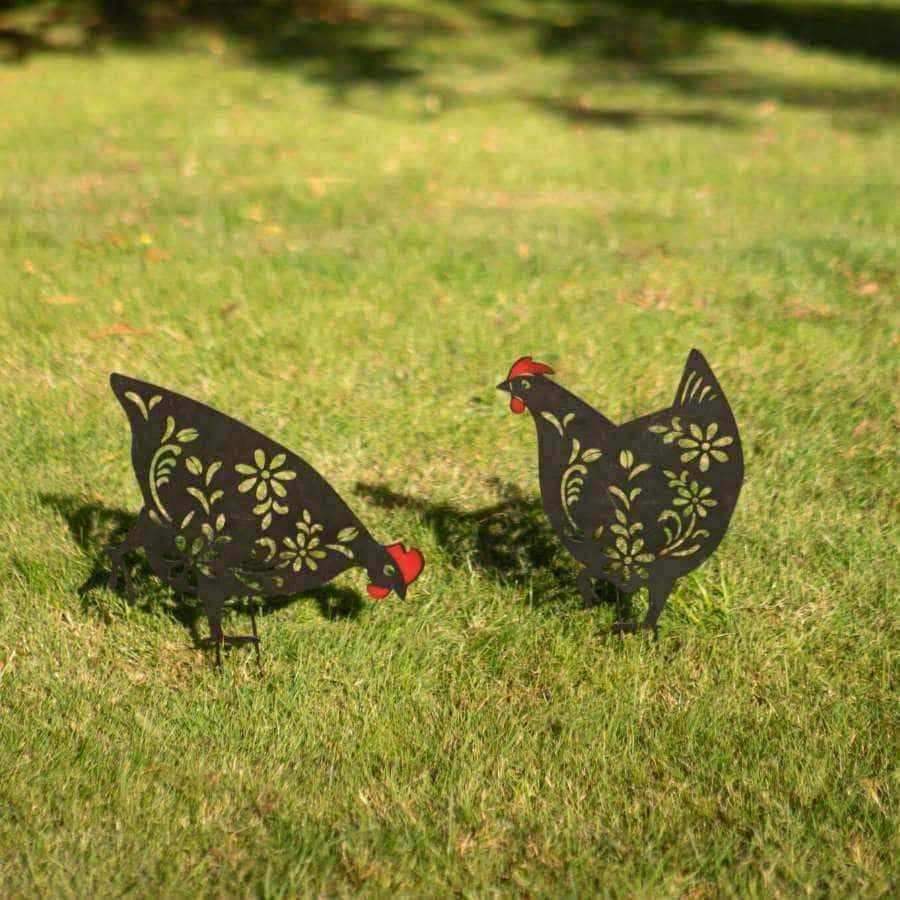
(351, 264)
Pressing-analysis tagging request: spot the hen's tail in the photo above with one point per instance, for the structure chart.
(698, 384)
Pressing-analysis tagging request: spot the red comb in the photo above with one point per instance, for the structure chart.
(410, 562)
(524, 365)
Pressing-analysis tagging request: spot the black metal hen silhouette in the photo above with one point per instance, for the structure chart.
(230, 513)
(638, 504)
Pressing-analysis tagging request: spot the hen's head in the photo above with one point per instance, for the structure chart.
(399, 569)
(520, 380)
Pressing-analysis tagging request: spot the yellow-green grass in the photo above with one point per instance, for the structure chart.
(351, 264)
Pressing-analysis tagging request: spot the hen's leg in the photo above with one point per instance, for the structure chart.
(213, 599)
(586, 588)
(594, 592)
(213, 596)
(659, 592)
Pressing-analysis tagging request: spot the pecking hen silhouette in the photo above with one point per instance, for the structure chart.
(642, 503)
(230, 513)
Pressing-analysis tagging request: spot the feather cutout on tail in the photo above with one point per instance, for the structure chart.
(698, 384)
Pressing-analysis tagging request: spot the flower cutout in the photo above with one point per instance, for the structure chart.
(626, 557)
(705, 446)
(266, 479)
(695, 499)
(305, 548)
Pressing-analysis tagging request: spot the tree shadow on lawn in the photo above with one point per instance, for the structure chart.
(645, 29)
(341, 45)
(510, 541)
(94, 525)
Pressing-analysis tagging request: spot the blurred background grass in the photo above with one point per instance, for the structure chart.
(341, 223)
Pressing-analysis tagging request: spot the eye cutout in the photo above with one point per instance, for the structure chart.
(525, 384)
(389, 570)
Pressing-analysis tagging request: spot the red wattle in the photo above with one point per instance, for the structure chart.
(376, 592)
(516, 405)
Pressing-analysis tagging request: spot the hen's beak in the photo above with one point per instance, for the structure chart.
(503, 386)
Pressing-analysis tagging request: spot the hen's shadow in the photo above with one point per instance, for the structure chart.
(510, 541)
(94, 525)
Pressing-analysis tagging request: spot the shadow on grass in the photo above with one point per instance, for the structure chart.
(340, 45)
(626, 118)
(93, 526)
(510, 541)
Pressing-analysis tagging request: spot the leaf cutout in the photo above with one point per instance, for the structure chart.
(206, 528)
(186, 435)
(618, 492)
(170, 427)
(658, 429)
(576, 446)
(156, 398)
(194, 466)
(187, 519)
(138, 401)
(637, 470)
(215, 496)
(345, 535)
(567, 418)
(598, 533)
(692, 549)
(553, 421)
(591, 455)
(341, 549)
(211, 471)
(220, 522)
(201, 497)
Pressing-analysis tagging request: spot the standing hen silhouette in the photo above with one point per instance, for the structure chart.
(230, 513)
(638, 504)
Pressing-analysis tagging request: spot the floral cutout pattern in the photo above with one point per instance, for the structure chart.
(266, 480)
(697, 444)
(163, 463)
(704, 447)
(628, 553)
(689, 505)
(696, 499)
(304, 549)
(573, 477)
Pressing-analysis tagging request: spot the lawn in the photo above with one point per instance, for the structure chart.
(344, 237)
